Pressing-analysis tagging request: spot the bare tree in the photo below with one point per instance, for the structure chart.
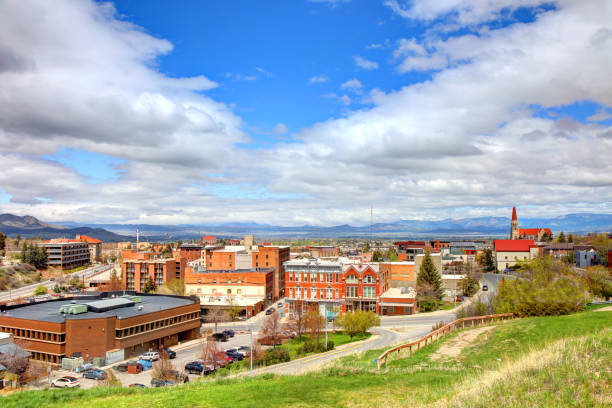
(216, 316)
(16, 359)
(162, 367)
(299, 313)
(314, 323)
(271, 329)
(210, 354)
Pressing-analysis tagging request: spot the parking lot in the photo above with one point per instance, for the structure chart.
(183, 356)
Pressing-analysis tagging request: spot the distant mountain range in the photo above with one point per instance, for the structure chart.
(28, 226)
(447, 228)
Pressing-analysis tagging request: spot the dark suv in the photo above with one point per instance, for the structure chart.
(196, 367)
(229, 333)
(218, 337)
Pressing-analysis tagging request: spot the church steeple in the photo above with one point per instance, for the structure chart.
(514, 230)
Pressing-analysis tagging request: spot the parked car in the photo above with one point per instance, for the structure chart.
(66, 382)
(136, 385)
(122, 368)
(171, 353)
(485, 288)
(95, 374)
(270, 311)
(222, 359)
(229, 333)
(217, 337)
(234, 355)
(279, 304)
(155, 383)
(236, 350)
(150, 356)
(199, 368)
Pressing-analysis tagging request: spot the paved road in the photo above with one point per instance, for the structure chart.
(25, 291)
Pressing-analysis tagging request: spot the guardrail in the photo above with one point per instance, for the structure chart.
(436, 334)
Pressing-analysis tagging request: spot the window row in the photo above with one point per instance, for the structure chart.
(146, 327)
(35, 334)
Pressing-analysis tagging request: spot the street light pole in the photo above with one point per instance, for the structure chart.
(251, 351)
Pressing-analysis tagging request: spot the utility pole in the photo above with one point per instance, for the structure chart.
(371, 223)
(251, 350)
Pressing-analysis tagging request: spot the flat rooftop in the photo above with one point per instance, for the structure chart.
(49, 311)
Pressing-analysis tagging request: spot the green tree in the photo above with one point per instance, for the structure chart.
(149, 286)
(2, 241)
(357, 322)
(391, 255)
(173, 287)
(489, 262)
(599, 281)
(429, 275)
(167, 252)
(24, 253)
(40, 290)
(561, 237)
(469, 285)
(377, 256)
(570, 238)
(545, 286)
(366, 248)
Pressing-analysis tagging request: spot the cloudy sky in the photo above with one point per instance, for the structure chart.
(304, 112)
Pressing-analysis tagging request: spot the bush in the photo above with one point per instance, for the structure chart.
(544, 287)
(330, 345)
(428, 304)
(357, 322)
(40, 290)
(276, 356)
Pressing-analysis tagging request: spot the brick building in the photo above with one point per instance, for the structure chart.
(397, 274)
(398, 301)
(66, 254)
(94, 325)
(361, 287)
(95, 247)
(209, 240)
(317, 283)
(189, 252)
(252, 289)
(323, 251)
(238, 257)
(137, 267)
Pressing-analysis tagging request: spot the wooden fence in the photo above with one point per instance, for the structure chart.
(436, 334)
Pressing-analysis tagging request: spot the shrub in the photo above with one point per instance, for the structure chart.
(40, 290)
(357, 322)
(330, 345)
(277, 355)
(599, 281)
(544, 287)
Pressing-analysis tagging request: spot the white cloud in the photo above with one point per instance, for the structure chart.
(464, 138)
(352, 84)
(281, 129)
(462, 11)
(600, 116)
(344, 99)
(318, 79)
(365, 64)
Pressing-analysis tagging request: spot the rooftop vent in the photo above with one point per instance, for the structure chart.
(73, 309)
(140, 307)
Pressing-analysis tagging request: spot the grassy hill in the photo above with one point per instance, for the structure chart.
(544, 361)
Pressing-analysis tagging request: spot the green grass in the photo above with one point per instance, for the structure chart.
(589, 308)
(544, 362)
(77, 269)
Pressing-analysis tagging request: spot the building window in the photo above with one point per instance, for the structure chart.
(229, 291)
(239, 281)
(369, 279)
(407, 309)
(352, 279)
(391, 309)
(229, 281)
(369, 292)
(230, 257)
(239, 291)
(313, 292)
(351, 291)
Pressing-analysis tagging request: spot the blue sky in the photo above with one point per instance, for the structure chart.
(295, 112)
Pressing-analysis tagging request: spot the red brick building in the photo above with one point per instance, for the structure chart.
(361, 287)
(93, 325)
(209, 240)
(317, 283)
(189, 252)
(137, 267)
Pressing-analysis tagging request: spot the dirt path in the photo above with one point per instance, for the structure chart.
(453, 348)
(605, 309)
